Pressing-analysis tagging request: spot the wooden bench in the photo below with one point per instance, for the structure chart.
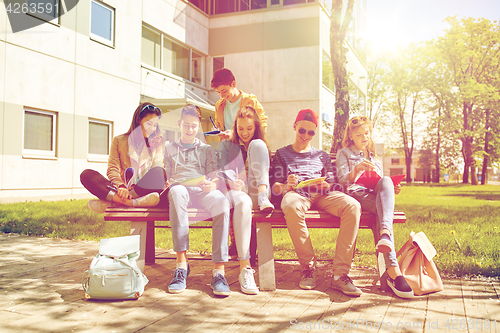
(142, 222)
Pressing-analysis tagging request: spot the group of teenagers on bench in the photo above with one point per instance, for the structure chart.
(164, 174)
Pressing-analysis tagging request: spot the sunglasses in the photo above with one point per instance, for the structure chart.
(150, 108)
(303, 131)
(356, 120)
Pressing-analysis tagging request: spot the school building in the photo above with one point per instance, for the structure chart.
(71, 83)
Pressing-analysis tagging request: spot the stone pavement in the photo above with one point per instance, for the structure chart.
(40, 291)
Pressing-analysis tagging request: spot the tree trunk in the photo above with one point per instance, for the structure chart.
(338, 51)
(486, 159)
(437, 164)
(408, 162)
(467, 146)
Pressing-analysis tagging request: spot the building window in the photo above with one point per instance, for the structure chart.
(198, 68)
(395, 161)
(201, 4)
(102, 21)
(151, 47)
(39, 133)
(259, 4)
(47, 10)
(293, 2)
(99, 139)
(175, 58)
(164, 53)
(224, 6)
(327, 73)
(218, 63)
(170, 135)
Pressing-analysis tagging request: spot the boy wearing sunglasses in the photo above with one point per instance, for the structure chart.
(300, 162)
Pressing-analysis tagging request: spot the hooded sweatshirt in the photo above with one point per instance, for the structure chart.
(183, 164)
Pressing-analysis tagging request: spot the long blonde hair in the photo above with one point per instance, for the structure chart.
(250, 113)
(352, 125)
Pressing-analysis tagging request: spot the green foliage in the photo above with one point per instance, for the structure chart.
(61, 219)
(448, 214)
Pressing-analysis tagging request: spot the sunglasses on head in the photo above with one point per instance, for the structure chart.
(355, 120)
(303, 131)
(150, 108)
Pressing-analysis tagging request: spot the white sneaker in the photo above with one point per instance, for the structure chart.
(98, 206)
(149, 200)
(247, 282)
(265, 205)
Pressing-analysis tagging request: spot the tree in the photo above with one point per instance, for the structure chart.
(407, 97)
(470, 49)
(377, 86)
(339, 27)
(436, 78)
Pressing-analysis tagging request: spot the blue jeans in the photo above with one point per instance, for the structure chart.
(380, 201)
(215, 202)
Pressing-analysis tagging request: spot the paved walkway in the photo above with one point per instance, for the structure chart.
(40, 291)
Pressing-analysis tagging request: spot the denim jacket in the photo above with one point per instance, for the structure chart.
(348, 158)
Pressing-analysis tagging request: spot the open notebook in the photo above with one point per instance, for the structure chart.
(369, 179)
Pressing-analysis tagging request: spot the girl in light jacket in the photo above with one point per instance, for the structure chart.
(358, 156)
(140, 152)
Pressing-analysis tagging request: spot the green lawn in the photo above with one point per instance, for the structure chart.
(461, 221)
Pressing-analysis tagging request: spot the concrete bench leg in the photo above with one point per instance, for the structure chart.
(140, 228)
(267, 280)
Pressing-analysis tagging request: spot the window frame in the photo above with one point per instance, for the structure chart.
(91, 157)
(191, 51)
(96, 37)
(212, 62)
(38, 153)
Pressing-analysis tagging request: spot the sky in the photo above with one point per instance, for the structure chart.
(398, 22)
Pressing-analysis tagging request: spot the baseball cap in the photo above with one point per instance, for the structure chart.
(307, 114)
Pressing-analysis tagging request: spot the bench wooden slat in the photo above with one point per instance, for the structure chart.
(143, 224)
(314, 218)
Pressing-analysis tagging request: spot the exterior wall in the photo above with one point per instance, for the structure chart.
(63, 70)
(398, 169)
(275, 55)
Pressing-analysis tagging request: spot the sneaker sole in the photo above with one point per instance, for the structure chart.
(348, 293)
(384, 247)
(175, 291)
(307, 287)
(250, 291)
(220, 293)
(400, 294)
(266, 210)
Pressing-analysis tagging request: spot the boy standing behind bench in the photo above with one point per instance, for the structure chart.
(190, 166)
(298, 162)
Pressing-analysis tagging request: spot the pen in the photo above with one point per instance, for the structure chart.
(213, 123)
(112, 188)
